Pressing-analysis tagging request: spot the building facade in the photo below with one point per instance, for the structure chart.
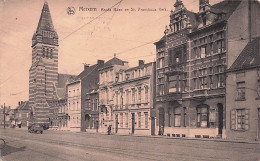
(134, 100)
(106, 98)
(23, 114)
(83, 99)
(192, 59)
(243, 94)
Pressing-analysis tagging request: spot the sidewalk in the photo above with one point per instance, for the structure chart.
(185, 138)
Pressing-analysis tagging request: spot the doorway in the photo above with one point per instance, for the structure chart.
(152, 126)
(220, 118)
(161, 121)
(116, 123)
(133, 123)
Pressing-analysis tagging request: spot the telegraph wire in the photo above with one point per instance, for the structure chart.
(89, 21)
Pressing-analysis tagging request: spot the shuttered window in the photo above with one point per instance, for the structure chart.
(240, 119)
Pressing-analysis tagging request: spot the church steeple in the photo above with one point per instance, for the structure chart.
(45, 22)
(44, 70)
(45, 32)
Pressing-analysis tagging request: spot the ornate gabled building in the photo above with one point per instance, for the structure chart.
(192, 59)
(43, 74)
(173, 68)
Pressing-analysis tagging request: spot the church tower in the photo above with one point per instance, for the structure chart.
(43, 74)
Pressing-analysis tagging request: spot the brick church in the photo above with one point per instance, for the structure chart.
(45, 83)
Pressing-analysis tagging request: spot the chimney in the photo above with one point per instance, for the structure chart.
(141, 62)
(100, 62)
(86, 66)
(19, 103)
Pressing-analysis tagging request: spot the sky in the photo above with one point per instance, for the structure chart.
(84, 37)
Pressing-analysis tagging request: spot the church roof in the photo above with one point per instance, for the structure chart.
(60, 88)
(63, 79)
(45, 22)
(249, 57)
(24, 106)
(115, 61)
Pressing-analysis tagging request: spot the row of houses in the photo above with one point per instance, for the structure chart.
(203, 84)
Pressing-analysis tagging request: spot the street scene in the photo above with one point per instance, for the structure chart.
(59, 146)
(130, 80)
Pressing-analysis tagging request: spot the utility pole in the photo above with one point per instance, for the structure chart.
(4, 115)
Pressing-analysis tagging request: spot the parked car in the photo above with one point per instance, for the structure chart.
(34, 128)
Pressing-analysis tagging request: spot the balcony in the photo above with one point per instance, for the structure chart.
(170, 97)
(205, 93)
(174, 70)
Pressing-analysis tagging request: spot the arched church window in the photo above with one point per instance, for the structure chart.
(47, 53)
(43, 52)
(51, 54)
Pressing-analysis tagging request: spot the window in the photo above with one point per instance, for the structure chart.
(203, 83)
(116, 99)
(202, 116)
(139, 119)
(241, 95)
(185, 87)
(173, 84)
(161, 89)
(146, 119)
(239, 119)
(178, 55)
(139, 94)
(195, 83)
(177, 117)
(161, 63)
(121, 99)
(126, 120)
(202, 52)
(43, 52)
(133, 95)
(211, 81)
(146, 93)
(221, 46)
(127, 76)
(220, 80)
(96, 104)
(210, 48)
(121, 120)
(127, 98)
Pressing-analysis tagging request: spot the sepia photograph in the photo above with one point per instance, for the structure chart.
(129, 80)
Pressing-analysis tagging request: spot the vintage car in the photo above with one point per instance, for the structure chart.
(34, 128)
